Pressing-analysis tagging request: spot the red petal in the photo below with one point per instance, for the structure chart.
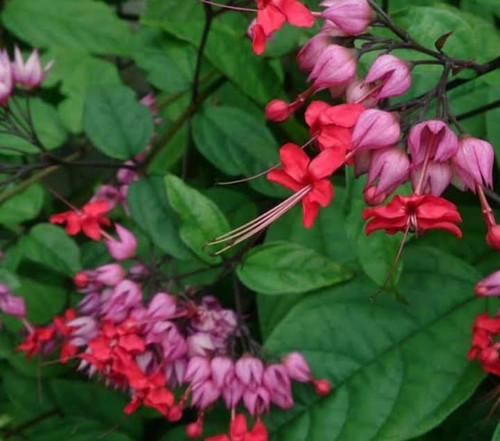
(424, 225)
(96, 208)
(326, 163)
(132, 406)
(344, 115)
(91, 228)
(258, 40)
(132, 343)
(296, 13)
(59, 218)
(314, 110)
(238, 427)
(258, 433)
(280, 177)
(270, 18)
(222, 437)
(73, 225)
(295, 162)
(335, 137)
(391, 226)
(310, 211)
(322, 193)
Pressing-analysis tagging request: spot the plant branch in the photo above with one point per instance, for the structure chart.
(479, 110)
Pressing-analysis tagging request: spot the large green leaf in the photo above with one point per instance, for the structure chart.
(75, 24)
(496, 435)
(116, 123)
(226, 47)
(201, 219)
(237, 143)
(285, 268)
(397, 370)
(51, 246)
(150, 209)
(22, 207)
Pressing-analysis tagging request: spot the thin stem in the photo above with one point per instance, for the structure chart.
(479, 110)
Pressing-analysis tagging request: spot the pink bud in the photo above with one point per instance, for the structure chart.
(372, 196)
(436, 180)
(391, 167)
(162, 306)
(138, 270)
(83, 329)
(474, 162)
(204, 394)
(434, 137)
(277, 110)
(351, 16)
(276, 379)
(125, 247)
(5, 78)
(375, 129)
(30, 74)
(110, 194)
(359, 92)
(198, 370)
(175, 413)
(489, 286)
(393, 75)
(257, 400)
(310, 52)
(335, 66)
(222, 371)
(11, 305)
(297, 367)
(249, 370)
(322, 387)
(126, 176)
(200, 344)
(232, 393)
(194, 430)
(493, 237)
(175, 372)
(110, 274)
(81, 279)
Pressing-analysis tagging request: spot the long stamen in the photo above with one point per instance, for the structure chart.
(61, 198)
(249, 229)
(425, 166)
(222, 5)
(265, 172)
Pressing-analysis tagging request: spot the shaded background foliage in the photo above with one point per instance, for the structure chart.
(398, 368)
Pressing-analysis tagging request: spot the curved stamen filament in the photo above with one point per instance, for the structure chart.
(222, 5)
(253, 227)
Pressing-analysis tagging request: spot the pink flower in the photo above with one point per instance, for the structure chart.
(110, 194)
(249, 371)
(473, 162)
(204, 394)
(297, 368)
(298, 173)
(200, 344)
(30, 74)
(437, 178)
(434, 138)
(110, 274)
(489, 286)
(335, 66)
(162, 306)
(392, 74)
(198, 370)
(257, 400)
(278, 383)
(222, 371)
(10, 304)
(359, 92)
(5, 78)
(125, 247)
(351, 16)
(277, 110)
(375, 129)
(391, 167)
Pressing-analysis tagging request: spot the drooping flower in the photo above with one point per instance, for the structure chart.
(390, 77)
(351, 16)
(437, 177)
(335, 66)
(434, 139)
(416, 213)
(125, 247)
(299, 172)
(375, 129)
(6, 83)
(489, 286)
(88, 220)
(29, 74)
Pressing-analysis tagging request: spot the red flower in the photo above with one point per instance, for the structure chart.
(88, 220)
(484, 347)
(63, 330)
(153, 394)
(238, 431)
(333, 124)
(300, 173)
(36, 340)
(272, 14)
(417, 212)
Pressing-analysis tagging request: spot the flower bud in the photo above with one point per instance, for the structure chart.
(83, 330)
(372, 196)
(125, 247)
(81, 279)
(375, 129)
(276, 379)
(249, 371)
(257, 400)
(233, 393)
(435, 137)
(110, 194)
(222, 371)
(5, 78)
(162, 306)
(198, 370)
(10, 304)
(351, 16)
(474, 162)
(125, 175)
(200, 344)
(205, 394)
(175, 413)
(194, 430)
(110, 274)
(436, 180)
(30, 74)
(489, 286)
(322, 387)
(493, 237)
(297, 367)
(391, 167)
(359, 92)
(393, 75)
(335, 66)
(277, 110)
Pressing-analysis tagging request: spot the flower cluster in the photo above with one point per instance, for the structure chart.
(149, 347)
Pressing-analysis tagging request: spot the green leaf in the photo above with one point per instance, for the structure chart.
(284, 268)
(237, 143)
(169, 63)
(116, 123)
(379, 354)
(150, 209)
(48, 124)
(51, 246)
(22, 207)
(95, 401)
(74, 24)
(226, 48)
(496, 435)
(201, 219)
